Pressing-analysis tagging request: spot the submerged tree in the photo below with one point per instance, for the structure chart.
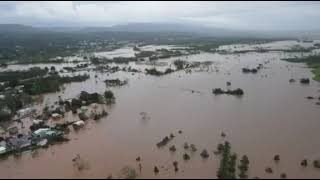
(228, 162)
(53, 68)
(179, 64)
(225, 170)
(109, 96)
(244, 167)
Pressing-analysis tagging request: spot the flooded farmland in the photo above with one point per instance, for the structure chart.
(272, 117)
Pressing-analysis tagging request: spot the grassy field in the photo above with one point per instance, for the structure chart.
(312, 62)
(317, 73)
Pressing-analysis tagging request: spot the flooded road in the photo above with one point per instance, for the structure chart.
(273, 117)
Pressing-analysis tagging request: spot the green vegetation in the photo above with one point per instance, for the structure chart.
(25, 44)
(35, 81)
(211, 44)
(49, 83)
(115, 82)
(219, 91)
(19, 75)
(316, 71)
(40, 61)
(87, 99)
(117, 60)
(135, 48)
(152, 55)
(228, 162)
(123, 60)
(3, 65)
(227, 169)
(312, 62)
(164, 53)
(109, 96)
(207, 47)
(244, 167)
(11, 102)
(168, 71)
(4, 115)
(154, 72)
(128, 173)
(144, 54)
(19, 86)
(295, 49)
(34, 46)
(90, 98)
(179, 64)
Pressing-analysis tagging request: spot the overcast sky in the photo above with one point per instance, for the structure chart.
(235, 15)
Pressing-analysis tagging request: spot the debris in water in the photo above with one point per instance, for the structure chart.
(175, 164)
(269, 170)
(144, 116)
(128, 173)
(110, 176)
(140, 167)
(304, 163)
(79, 163)
(310, 97)
(316, 164)
(78, 124)
(223, 135)
(292, 80)
(283, 176)
(305, 81)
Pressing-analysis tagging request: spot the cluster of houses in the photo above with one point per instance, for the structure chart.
(16, 143)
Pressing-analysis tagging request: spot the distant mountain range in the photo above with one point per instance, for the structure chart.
(191, 29)
(161, 28)
(16, 28)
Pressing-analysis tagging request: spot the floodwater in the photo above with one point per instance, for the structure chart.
(128, 51)
(121, 52)
(278, 45)
(273, 117)
(156, 47)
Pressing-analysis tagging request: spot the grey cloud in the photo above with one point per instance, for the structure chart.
(236, 15)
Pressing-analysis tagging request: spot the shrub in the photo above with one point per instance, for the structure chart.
(179, 64)
(109, 96)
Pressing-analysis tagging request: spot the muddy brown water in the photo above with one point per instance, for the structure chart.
(273, 117)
